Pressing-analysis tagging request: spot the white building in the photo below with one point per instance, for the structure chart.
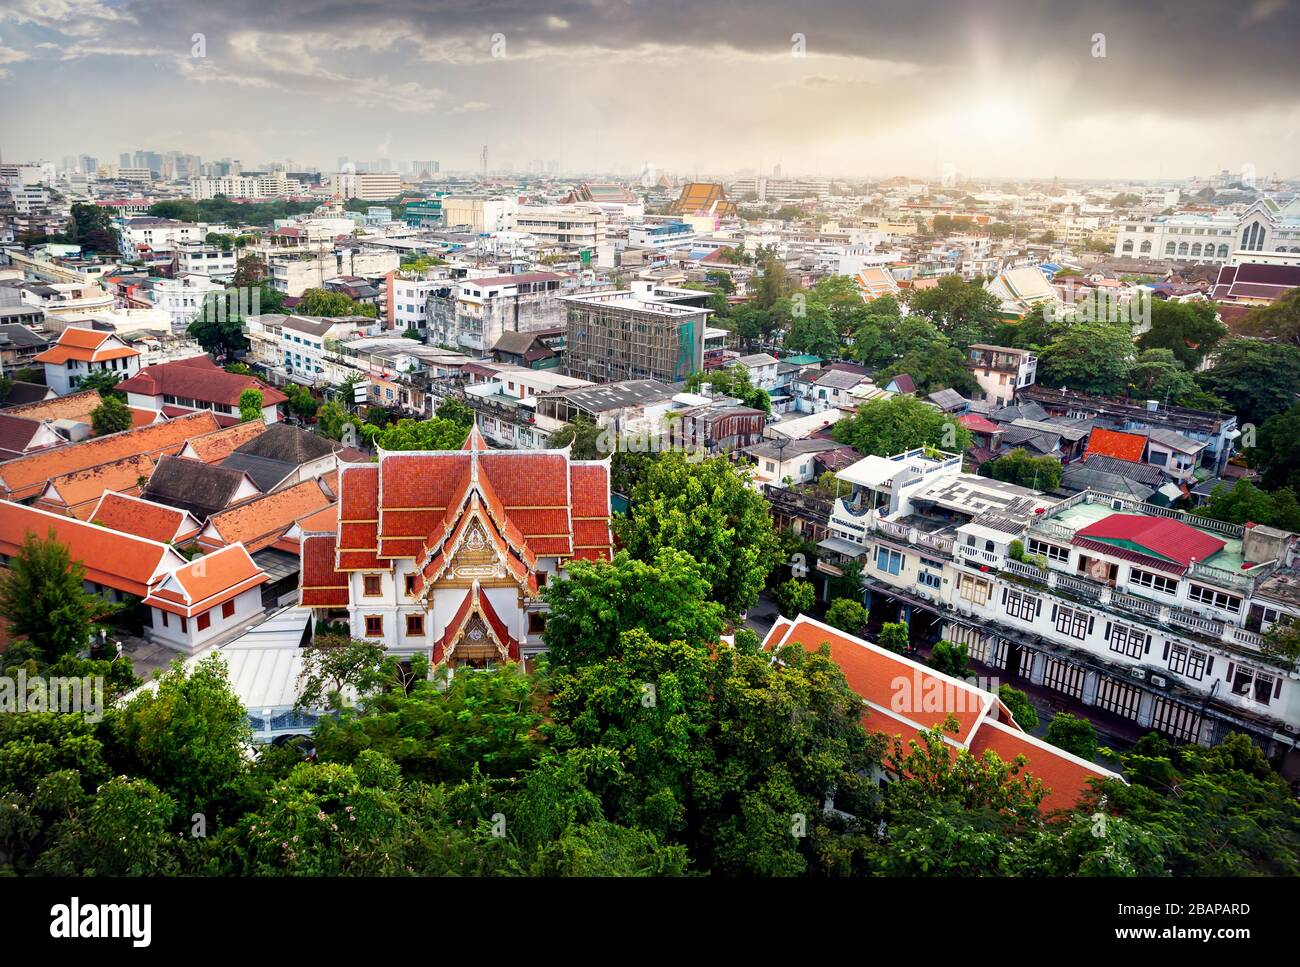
(1263, 227)
(580, 225)
(368, 186)
(80, 352)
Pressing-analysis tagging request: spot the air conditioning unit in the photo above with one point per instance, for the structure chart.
(1139, 673)
(1117, 504)
(1159, 681)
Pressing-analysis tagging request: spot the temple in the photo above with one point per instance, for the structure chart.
(445, 552)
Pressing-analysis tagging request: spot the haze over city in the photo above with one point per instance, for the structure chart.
(1003, 89)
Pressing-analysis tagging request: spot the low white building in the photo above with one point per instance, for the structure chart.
(207, 599)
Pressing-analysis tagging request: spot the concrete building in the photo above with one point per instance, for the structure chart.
(582, 226)
(1140, 618)
(1190, 236)
(472, 313)
(633, 334)
(1001, 371)
(368, 186)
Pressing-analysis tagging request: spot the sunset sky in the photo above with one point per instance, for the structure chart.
(1007, 88)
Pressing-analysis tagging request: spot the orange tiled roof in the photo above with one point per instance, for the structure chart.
(144, 518)
(78, 492)
(904, 697)
(77, 407)
(207, 582)
(1113, 443)
(125, 562)
(260, 522)
(27, 476)
(216, 446)
(86, 345)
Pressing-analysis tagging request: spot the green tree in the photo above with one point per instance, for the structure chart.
(885, 427)
(1018, 704)
(583, 437)
(331, 418)
(324, 303)
(102, 380)
(43, 598)
(435, 434)
(965, 312)
(1279, 320)
(1189, 330)
(1073, 734)
(219, 326)
(456, 410)
(600, 600)
(1256, 379)
(727, 749)
(250, 405)
(1276, 454)
(950, 658)
(848, 615)
(1245, 503)
(894, 636)
(110, 416)
(732, 381)
(1158, 375)
(796, 597)
(122, 831)
(708, 510)
(186, 735)
(1018, 467)
(1090, 357)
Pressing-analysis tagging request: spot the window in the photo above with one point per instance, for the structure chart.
(1063, 676)
(1156, 582)
(374, 626)
(204, 620)
(973, 589)
(887, 560)
(410, 585)
(185, 626)
(1129, 641)
(414, 625)
(929, 579)
(1053, 552)
(1191, 662)
(228, 609)
(1115, 696)
(1073, 622)
(1176, 721)
(536, 623)
(1214, 599)
(1020, 605)
(1254, 684)
(163, 615)
(373, 585)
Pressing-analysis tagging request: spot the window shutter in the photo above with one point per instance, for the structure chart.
(1209, 665)
(1053, 612)
(1106, 635)
(1277, 687)
(1166, 656)
(1004, 595)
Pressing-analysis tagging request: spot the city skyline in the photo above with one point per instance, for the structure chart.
(1006, 91)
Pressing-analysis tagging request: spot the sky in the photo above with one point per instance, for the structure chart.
(1141, 89)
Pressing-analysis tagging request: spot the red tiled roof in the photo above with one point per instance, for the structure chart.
(261, 521)
(887, 681)
(124, 562)
(321, 585)
(27, 476)
(1159, 537)
(192, 379)
(1113, 443)
(86, 345)
(208, 581)
(144, 518)
(977, 424)
(216, 446)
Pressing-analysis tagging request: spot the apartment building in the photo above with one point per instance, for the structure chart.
(479, 214)
(368, 186)
(661, 236)
(145, 235)
(633, 334)
(292, 348)
(199, 258)
(1001, 371)
(252, 184)
(295, 273)
(1139, 617)
(581, 226)
(473, 313)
